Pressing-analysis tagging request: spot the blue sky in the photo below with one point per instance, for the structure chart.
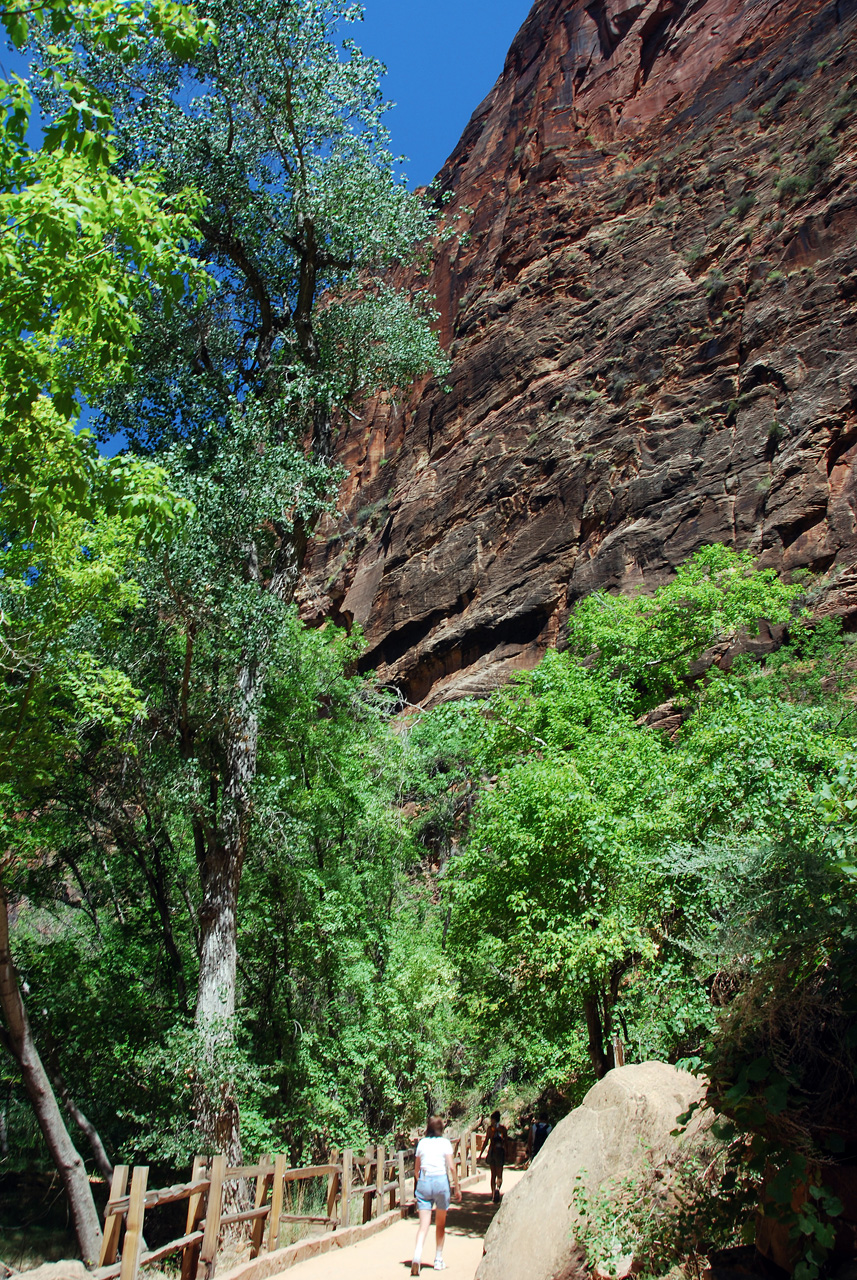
(442, 57)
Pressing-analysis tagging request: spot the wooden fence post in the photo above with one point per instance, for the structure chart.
(263, 1182)
(334, 1182)
(113, 1221)
(380, 1170)
(213, 1211)
(345, 1197)
(367, 1176)
(134, 1225)
(277, 1191)
(474, 1152)
(462, 1158)
(403, 1188)
(195, 1210)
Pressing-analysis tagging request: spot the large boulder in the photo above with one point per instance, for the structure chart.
(630, 1112)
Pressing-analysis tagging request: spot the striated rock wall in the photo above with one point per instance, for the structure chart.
(652, 326)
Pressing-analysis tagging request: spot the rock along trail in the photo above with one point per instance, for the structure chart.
(389, 1252)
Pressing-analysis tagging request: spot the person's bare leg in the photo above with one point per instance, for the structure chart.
(439, 1231)
(425, 1223)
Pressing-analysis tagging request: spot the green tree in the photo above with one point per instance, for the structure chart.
(78, 243)
(555, 888)
(563, 879)
(647, 643)
(303, 222)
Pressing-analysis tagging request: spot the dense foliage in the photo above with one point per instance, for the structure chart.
(252, 901)
(235, 388)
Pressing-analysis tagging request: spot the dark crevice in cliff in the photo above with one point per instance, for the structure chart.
(790, 533)
(841, 446)
(519, 631)
(657, 35)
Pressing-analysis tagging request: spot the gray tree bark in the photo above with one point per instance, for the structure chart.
(67, 1159)
(222, 845)
(225, 845)
(86, 1127)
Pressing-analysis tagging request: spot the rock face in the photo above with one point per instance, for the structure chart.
(632, 1110)
(652, 328)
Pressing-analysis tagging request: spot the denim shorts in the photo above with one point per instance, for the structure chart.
(433, 1193)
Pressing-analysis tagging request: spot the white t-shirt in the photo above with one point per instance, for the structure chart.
(432, 1153)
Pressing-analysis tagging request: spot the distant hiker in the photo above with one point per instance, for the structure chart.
(538, 1135)
(497, 1141)
(435, 1174)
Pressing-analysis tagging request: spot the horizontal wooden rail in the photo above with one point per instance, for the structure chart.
(167, 1195)
(246, 1215)
(249, 1171)
(314, 1171)
(153, 1255)
(306, 1217)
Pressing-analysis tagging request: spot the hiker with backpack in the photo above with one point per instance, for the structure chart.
(434, 1173)
(496, 1142)
(538, 1135)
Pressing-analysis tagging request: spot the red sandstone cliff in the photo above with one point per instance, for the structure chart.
(653, 334)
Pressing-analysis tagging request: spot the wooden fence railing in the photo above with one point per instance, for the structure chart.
(381, 1180)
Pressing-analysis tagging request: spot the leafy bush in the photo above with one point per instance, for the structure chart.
(715, 283)
(783, 94)
(794, 185)
(673, 1212)
(743, 205)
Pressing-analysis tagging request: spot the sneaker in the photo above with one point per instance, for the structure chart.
(439, 1264)
(415, 1268)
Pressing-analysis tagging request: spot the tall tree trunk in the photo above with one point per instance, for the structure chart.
(222, 845)
(217, 1116)
(595, 1033)
(86, 1127)
(225, 851)
(66, 1157)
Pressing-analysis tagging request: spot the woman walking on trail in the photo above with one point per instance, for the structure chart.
(495, 1140)
(435, 1174)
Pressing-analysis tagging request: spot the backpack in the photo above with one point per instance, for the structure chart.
(540, 1133)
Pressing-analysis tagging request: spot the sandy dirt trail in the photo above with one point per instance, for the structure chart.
(388, 1254)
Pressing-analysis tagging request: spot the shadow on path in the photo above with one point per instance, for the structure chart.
(469, 1220)
(473, 1216)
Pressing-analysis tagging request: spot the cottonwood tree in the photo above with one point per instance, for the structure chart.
(79, 242)
(280, 127)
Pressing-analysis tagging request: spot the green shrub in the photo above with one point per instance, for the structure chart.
(820, 160)
(743, 205)
(818, 163)
(715, 283)
(783, 94)
(790, 186)
(670, 1213)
